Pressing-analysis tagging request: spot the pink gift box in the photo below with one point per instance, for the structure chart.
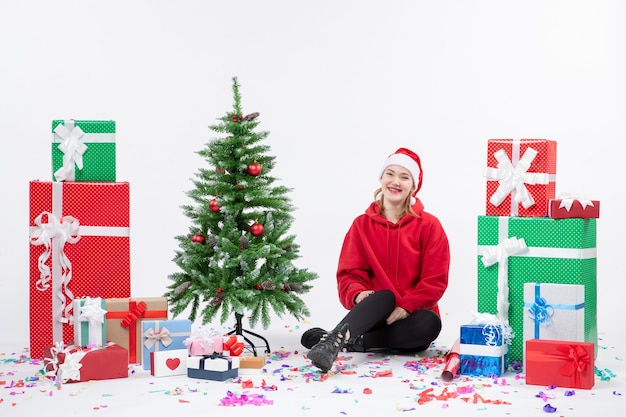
(205, 345)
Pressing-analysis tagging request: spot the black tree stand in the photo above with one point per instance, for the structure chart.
(239, 331)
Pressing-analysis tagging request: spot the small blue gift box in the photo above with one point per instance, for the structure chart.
(159, 335)
(482, 350)
(215, 367)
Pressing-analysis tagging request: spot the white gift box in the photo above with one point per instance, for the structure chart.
(168, 362)
(554, 312)
(215, 367)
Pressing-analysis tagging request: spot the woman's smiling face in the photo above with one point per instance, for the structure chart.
(396, 183)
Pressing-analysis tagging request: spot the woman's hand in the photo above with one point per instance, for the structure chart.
(398, 313)
(362, 295)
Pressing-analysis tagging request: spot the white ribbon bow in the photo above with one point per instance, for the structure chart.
(65, 230)
(493, 327)
(512, 179)
(70, 368)
(93, 313)
(73, 149)
(567, 199)
(500, 254)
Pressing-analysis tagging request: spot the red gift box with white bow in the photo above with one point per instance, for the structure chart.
(521, 177)
(72, 363)
(572, 207)
(80, 247)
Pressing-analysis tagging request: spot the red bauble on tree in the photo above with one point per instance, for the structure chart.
(198, 238)
(239, 187)
(257, 229)
(254, 169)
(214, 206)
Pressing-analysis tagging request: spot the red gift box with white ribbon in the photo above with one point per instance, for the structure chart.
(521, 177)
(80, 247)
(570, 206)
(72, 363)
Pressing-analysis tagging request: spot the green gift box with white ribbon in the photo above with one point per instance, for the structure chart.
(513, 251)
(83, 150)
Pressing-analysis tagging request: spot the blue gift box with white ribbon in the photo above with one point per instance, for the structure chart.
(483, 351)
(554, 311)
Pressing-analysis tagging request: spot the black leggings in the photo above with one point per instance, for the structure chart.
(414, 333)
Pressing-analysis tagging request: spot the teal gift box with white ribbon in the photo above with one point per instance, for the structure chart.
(162, 335)
(554, 312)
(83, 150)
(89, 322)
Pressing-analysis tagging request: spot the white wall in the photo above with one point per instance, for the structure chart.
(339, 85)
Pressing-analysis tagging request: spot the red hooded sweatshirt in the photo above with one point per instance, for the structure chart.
(410, 258)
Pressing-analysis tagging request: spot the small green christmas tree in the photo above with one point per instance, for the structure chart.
(238, 254)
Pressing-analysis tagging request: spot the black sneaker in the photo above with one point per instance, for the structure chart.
(324, 353)
(312, 337)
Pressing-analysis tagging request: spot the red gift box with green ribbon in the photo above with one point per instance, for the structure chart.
(79, 247)
(125, 318)
(560, 363)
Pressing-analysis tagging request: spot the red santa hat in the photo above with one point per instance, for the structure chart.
(408, 159)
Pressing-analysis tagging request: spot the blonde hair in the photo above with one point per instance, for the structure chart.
(406, 209)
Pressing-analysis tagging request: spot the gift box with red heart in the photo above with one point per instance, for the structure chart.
(168, 362)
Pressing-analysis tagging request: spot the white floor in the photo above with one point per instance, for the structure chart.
(360, 384)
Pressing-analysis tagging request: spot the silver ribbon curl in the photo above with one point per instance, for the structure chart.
(62, 231)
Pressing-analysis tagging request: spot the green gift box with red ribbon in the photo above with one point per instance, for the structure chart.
(560, 363)
(79, 247)
(83, 150)
(124, 321)
(552, 251)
